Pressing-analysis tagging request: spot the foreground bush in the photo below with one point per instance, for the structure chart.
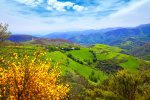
(30, 79)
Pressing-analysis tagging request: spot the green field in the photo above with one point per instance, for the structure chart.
(68, 65)
(82, 54)
(103, 52)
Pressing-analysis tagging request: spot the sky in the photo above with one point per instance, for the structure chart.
(47, 16)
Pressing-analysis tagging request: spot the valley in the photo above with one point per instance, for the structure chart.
(74, 49)
(87, 69)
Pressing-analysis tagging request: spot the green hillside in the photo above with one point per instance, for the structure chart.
(104, 52)
(82, 67)
(82, 60)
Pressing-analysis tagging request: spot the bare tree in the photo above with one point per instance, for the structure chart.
(4, 33)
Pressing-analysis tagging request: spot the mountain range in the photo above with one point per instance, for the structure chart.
(126, 38)
(21, 38)
(111, 36)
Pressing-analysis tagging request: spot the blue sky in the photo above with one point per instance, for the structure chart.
(47, 16)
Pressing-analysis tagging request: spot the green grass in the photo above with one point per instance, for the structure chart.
(98, 47)
(103, 52)
(7, 51)
(58, 57)
(131, 64)
(73, 66)
(106, 56)
(82, 54)
(85, 71)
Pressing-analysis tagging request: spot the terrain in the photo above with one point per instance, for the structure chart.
(91, 63)
(142, 52)
(126, 38)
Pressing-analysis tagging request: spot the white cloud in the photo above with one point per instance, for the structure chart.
(62, 6)
(132, 15)
(79, 8)
(32, 3)
(53, 5)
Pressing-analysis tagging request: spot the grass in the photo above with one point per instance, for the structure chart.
(131, 64)
(73, 66)
(98, 47)
(103, 52)
(85, 71)
(106, 56)
(82, 54)
(58, 57)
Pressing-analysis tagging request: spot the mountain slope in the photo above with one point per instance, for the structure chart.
(142, 51)
(44, 41)
(112, 36)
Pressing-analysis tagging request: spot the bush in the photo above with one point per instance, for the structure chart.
(94, 59)
(70, 55)
(51, 48)
(77, 60)
(129, 86)
(93, 77)
(77, 48)
(30, 78)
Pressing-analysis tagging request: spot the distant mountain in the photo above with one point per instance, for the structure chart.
(126, 38)
(69, 35)
(29, 39)
(21, 38)
(113, 36)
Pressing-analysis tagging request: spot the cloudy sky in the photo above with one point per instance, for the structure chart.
(46, 16)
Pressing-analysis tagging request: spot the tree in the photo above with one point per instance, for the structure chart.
(4, 33)
(30, 79)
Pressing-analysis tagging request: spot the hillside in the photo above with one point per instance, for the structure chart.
(137, 36)
(88, 58)
(126, 38)
(142, 51)
(82, 67)
(44, 41)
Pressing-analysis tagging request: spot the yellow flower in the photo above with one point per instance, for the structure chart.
(1, 69)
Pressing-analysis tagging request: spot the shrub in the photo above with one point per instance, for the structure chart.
(93, 77)
(77, 48)
(129, 86)
(30, 78)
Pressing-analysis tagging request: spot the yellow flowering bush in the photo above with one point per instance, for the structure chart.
(30, 79)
